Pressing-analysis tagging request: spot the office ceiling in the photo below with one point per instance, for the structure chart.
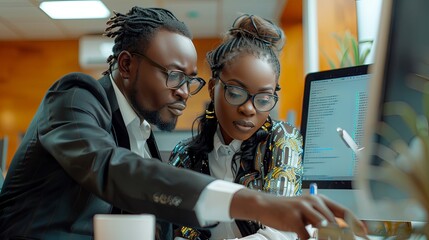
(23, 20)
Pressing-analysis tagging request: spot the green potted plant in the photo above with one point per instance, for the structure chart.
(350, 52)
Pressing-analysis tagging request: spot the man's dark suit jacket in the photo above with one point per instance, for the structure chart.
(74, 162)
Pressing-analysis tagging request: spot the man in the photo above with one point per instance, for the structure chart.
(90, 150)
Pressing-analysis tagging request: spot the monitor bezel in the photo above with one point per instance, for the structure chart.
(317, 76)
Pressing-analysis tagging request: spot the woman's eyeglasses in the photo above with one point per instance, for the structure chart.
(175, 78)
(235, 95)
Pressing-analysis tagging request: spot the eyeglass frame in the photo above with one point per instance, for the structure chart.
(249, 96)
(187, 78)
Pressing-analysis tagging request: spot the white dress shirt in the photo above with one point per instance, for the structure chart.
(137, 132)
(220, 160)
(214, 201)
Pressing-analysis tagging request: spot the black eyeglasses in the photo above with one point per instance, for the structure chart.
(175, 78)
(237, 96)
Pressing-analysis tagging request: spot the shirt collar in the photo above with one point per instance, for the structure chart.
(128, 114)
(218, 143)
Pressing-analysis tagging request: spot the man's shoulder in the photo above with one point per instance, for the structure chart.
(76, 79)
(81, 81)
(81, 89)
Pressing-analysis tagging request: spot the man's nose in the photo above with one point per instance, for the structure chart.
(183, 91)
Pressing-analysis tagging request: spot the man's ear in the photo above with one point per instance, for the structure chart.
(124, 62)
(212, 84)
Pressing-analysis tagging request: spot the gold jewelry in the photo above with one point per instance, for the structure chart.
(190, 233)
(209, 114)
(266, 125)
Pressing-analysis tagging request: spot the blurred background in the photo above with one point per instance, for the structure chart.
(36, 50)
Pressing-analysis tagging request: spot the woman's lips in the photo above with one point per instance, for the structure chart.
(244, 125)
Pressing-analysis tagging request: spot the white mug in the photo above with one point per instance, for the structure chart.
(124, 226)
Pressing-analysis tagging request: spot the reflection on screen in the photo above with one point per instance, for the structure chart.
(338, 102)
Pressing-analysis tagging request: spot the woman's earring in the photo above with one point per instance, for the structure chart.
(210, 112)
(267, 125)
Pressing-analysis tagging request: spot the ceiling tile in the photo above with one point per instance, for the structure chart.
(7, 33)
(39, 30)
(23, 13)
(80, 27)
(206, 18)
(199, 16)
(124, 6)
(9, 3)
(233, 8)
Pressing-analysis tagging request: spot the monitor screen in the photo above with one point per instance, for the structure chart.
(333, 99)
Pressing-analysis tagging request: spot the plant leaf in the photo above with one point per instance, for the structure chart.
(330, 61)
(364, 56)
(355, 48)
(344, 58)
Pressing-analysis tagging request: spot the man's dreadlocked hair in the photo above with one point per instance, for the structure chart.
(137, 27)
(249, 35)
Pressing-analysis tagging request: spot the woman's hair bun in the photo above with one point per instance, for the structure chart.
(255, 27)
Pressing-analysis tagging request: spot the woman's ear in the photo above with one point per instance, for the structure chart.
(212, 84)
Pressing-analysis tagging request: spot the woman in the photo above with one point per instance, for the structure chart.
(237, 140)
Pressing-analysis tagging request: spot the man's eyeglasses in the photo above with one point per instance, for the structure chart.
(176, 78)
(235, 95)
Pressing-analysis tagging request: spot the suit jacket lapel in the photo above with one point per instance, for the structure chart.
(119, 129)
(153, 148)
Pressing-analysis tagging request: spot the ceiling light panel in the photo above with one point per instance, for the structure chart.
(75, 9)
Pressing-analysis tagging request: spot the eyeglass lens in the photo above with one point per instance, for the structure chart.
(262, 102)
(176, 79)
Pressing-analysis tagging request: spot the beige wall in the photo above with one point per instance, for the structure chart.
(28, 68)
(334, 16)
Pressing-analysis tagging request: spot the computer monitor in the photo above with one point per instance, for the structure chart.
(400, 73)
(399, 88)
(333, 99)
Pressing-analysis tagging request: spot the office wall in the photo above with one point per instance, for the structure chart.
(28, 68)
(292, 64)
(334, 17)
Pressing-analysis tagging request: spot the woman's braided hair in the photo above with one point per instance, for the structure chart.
(249, 34)
(137, 27)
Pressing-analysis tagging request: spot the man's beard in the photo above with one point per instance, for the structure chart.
(153, 117)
